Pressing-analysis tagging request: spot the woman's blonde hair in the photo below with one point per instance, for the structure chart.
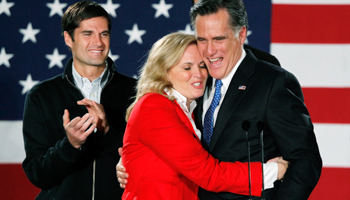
(164, 54)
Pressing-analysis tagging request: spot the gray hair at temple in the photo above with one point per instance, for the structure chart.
(235, 8)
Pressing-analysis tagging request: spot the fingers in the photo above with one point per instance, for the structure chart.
(84, 102)
(122, 178)
(93, 108)
(81, 123)
(120, 167)
(274, 159)
(91, 104)
(122, 186)
(282, 168)
(120, 151)
(86, 125)
(98, 107)
(78, 129)
(121, 172)
(65, 117)
(281, 160)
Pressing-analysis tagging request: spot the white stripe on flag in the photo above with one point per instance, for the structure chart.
(11, 143)
(329, 2)
(316, 65)
(334, 143)
(334, 149)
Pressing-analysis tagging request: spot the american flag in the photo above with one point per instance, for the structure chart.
(309, 37)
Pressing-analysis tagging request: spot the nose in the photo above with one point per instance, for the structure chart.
(197, 72)
(97, 40)
(210, 49)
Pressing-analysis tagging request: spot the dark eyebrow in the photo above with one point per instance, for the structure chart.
(200, 38)
(219, 37)
(106, 31)
(86, 31)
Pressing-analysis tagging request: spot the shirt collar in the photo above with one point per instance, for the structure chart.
(181, 100)
(102, 79)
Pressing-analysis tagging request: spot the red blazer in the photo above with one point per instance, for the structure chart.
(165, 158)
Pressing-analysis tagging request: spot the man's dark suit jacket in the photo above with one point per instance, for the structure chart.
(273, 96)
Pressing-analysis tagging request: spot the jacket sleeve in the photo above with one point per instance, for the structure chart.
(292, 131)
(166, 135)
(47, 160)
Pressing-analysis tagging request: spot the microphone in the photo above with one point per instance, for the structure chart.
(260, 126)
(246, 127)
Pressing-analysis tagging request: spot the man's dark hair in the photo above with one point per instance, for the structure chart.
(235, 8)
(80, 11)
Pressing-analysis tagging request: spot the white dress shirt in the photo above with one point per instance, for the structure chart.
(91, 89)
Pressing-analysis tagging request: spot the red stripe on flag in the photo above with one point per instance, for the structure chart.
(328, 105)
(327, 24)
(333, 184)
(14, 184)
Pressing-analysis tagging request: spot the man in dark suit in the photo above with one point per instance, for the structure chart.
(255, 91)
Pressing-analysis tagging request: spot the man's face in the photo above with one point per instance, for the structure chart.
(219, 46)
(91, 42)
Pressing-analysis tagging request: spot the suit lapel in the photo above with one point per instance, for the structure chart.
(198, 112)
(234, 95)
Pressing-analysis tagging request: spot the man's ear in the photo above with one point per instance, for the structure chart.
(67, 39)
(242, 34)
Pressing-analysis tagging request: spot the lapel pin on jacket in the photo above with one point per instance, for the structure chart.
(242, 87)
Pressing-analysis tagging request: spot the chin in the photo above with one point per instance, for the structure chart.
(99, 63)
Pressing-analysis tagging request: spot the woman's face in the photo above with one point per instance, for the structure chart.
(189, 76)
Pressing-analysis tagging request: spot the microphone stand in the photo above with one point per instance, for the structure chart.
(260, 126)
(246, 127)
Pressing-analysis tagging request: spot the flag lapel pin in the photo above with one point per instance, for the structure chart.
(242, 87)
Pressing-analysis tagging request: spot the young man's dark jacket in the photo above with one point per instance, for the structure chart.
(52, 163)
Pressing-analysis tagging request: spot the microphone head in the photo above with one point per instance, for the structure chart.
(260, 126)
(246, 125)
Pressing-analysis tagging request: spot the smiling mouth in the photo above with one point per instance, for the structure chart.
(96, 51)
(197, 84)
(215, 61)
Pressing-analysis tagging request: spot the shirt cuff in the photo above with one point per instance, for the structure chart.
(270, 174)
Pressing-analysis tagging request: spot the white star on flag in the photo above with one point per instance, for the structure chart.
(29, 33)
(55, 59)
(27, 84)
(56, 8)
(162, 9)
(110, 7)
(248, 34)
(188, 30)
(113, 57)
(5, 7)
(4, 58)
(135, 34)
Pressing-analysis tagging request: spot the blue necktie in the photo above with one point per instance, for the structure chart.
(209, 116)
